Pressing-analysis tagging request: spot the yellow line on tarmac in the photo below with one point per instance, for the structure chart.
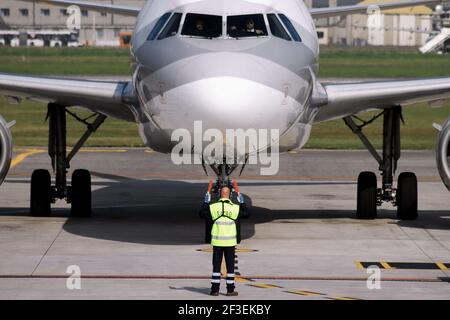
(25, 149)
(93, 150)
(345, 298)
(263, 285)
(306, 293)
(441, 266)
(104, 150)
(22, 156)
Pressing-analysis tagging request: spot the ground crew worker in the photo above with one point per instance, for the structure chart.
(223, 214)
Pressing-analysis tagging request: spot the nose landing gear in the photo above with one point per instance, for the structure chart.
(223, 173)
(78, 194)
(405, 196)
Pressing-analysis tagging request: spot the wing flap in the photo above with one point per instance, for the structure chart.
(108, 97)
(347, 99)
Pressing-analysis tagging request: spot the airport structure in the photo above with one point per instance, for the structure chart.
(101, 29)
(397, 27)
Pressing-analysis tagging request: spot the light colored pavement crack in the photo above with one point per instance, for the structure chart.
(420, 248)
(46, 251)
(434, 238)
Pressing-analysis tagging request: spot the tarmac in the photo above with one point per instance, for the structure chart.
(145, 239)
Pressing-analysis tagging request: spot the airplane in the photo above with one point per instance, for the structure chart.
(226, 77)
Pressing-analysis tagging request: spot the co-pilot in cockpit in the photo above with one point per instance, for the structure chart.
(202, 26)
(246, 26)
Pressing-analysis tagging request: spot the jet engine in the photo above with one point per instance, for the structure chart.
(443, 153)
(5, 148)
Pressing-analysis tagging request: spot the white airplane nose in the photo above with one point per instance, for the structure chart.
(228, 103)
(226, 90)
(232, 103)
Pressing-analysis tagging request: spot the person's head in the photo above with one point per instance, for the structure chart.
(225, 193)
(250, 24)
(199, 25)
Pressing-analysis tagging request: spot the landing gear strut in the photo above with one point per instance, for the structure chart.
(369, 197)
(223, 172)
(43, 193)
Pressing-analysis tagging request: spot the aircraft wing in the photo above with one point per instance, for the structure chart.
(342, 100)
(317, 13)
(111, 98)
(89, 5)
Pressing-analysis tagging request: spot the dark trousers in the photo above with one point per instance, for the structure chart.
(218, 253)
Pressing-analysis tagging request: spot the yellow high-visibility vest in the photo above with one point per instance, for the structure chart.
(224, 214)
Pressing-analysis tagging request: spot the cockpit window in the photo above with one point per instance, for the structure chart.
(161, 22)
(277, 28)
(202, 26)
(251, 25)
(172, 27)
(290, 28)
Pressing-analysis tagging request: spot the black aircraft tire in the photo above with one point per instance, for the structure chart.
(81, 195)
(407, 197)
(367, 196)
(40, 194)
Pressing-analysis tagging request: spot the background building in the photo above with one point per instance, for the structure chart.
(399, 27)
(96, 28)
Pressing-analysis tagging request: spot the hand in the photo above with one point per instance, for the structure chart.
(241, 198)
(207, 198)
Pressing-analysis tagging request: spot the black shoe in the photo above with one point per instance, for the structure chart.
(232, 294)
(214, 293)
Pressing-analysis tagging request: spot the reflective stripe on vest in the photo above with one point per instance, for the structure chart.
(225, 223)
(223, 233)
(224, 237)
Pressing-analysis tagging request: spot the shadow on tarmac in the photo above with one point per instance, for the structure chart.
(204, 291)
(165, 212)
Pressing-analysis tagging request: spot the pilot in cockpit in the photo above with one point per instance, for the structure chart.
(199, 28)
(250, 27)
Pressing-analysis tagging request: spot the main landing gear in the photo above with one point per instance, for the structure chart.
(369, 197)
(78, 194)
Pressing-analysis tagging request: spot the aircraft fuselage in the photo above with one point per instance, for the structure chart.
(227, 79)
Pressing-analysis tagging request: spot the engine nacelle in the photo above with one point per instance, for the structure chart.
(6, 148)
(443, 154)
